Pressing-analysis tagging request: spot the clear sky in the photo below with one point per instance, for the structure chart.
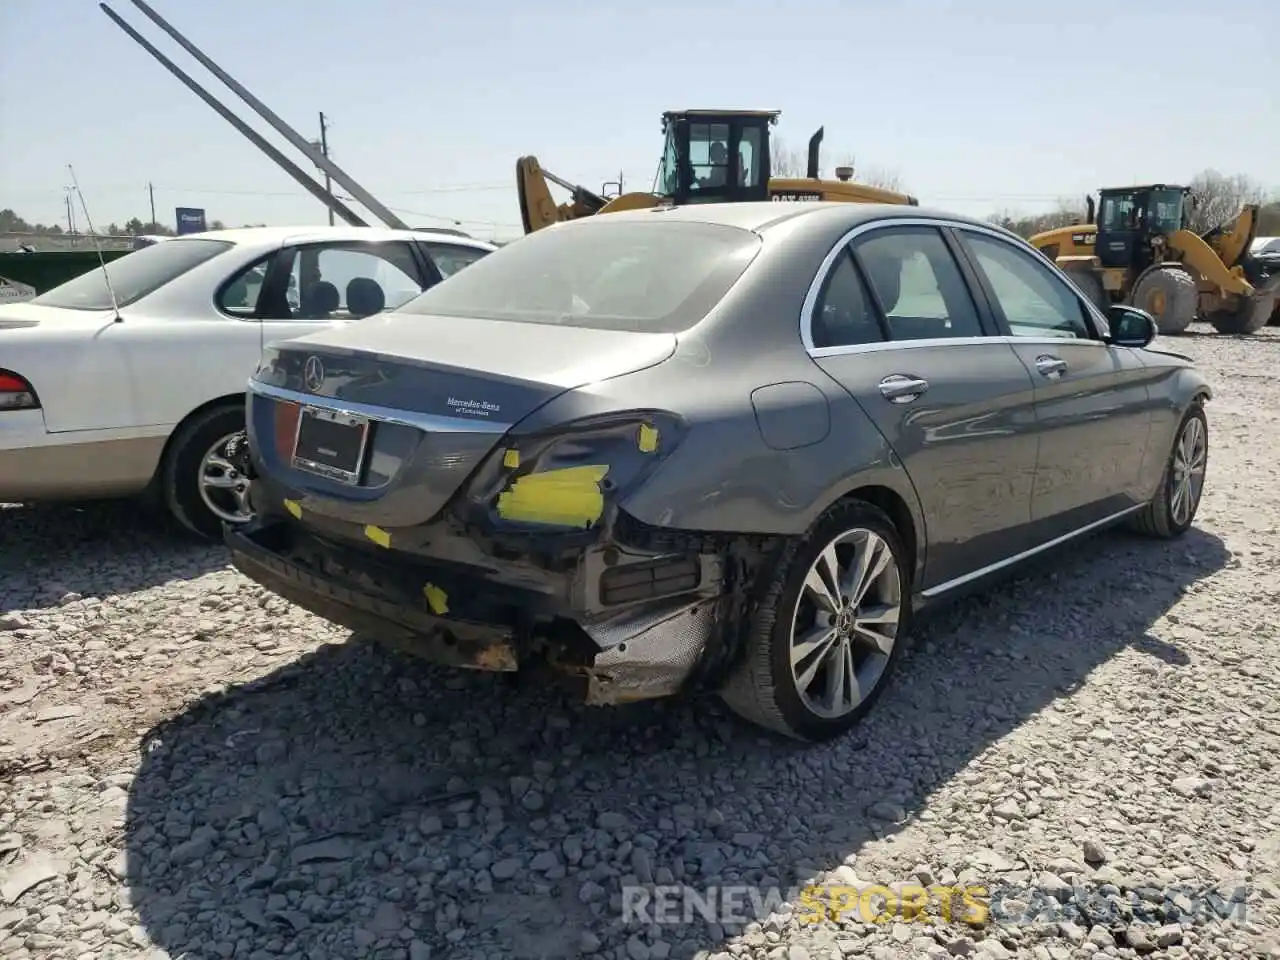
(979, 106)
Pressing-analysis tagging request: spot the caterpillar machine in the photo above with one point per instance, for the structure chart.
(1137, 250)
(696, 167)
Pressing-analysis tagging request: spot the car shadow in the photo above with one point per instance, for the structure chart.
(1207, 332)
(358, 804)
(94, 549)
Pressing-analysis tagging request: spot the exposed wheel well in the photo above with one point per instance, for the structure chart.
(898, 511)
(231, 399)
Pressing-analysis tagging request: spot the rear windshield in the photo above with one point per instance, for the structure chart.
(659, 277)
(133, 276)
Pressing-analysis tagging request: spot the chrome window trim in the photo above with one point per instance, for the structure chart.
(841, 246)
(1027, 554)
(428, 423)
(818, 353)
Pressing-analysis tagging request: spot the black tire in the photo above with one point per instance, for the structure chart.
(180, 474)
(1160, 517)
(1091, 286)
(1250, 316)
(1168, 293)
(764, 689)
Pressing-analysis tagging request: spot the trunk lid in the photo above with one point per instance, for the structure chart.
(16, 316)
(441, 393)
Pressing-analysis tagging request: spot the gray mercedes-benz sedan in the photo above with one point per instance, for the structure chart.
(727, 448)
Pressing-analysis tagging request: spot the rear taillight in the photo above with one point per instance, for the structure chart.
(16, 393)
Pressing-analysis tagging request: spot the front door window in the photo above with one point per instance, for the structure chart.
(349, 281)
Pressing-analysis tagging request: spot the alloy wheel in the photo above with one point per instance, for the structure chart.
(845, 623)
(1190, 456)
(224, 480)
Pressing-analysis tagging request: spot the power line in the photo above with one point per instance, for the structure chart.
(490, 187)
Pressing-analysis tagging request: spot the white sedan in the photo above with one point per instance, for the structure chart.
(137, 386)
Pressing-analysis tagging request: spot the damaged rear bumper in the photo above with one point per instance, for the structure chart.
(625, 626)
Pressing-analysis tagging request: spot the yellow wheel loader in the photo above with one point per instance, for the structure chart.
(1137, 250)
(710, 156)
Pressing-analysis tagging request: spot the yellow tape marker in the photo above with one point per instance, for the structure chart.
(294, 509)
(378, 536)
(568, 498)
(648, 438)
(511, 459)
(437, 599)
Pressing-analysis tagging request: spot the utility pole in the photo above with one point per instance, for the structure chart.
(151, 191)
(324, 149)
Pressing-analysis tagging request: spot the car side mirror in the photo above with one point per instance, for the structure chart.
(1131, 327)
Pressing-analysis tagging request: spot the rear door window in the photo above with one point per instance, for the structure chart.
(843, 315)
(450, 258)
(918, 284)
(240, 297)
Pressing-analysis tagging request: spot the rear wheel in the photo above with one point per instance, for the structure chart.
(1251, 314)
(1168, 293)
(205, 478)
(1091, 286)
(1173, 509)
(828, 631)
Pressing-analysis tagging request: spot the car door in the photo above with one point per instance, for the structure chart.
(897, 325)
(1092, 400)
(316, 285)
(169, 353)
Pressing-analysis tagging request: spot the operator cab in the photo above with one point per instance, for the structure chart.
(715, 156)
(1133, 223)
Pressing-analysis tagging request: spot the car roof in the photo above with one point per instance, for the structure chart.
(319, 234)
(760, 216)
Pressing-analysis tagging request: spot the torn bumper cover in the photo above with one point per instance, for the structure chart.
(628, 625)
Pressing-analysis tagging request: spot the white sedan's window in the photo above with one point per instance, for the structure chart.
(351, 280)
(449, 258)
(134, 275)
(240, 297)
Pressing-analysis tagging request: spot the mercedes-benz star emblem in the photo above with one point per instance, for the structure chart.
(313, 374)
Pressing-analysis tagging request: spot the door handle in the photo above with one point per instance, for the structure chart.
(1051, 367)
(898, 388)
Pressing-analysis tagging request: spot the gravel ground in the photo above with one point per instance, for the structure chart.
(190, 768)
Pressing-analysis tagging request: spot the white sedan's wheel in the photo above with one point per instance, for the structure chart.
(224, 485)
(204, 481)
(829, 627)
